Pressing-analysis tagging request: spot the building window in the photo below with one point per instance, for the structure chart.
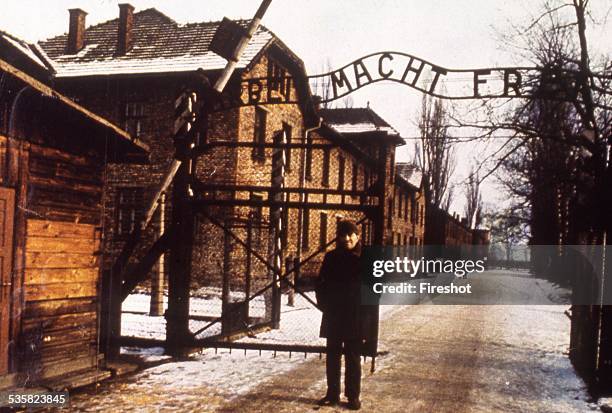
(325, 170)
(306, 230)
(341, 167)
(259, 133)
(287, 129)
(309, 158)
(277, 76)
(129, 210)
(323, 230)
(390, 214)
(133, 118)
(407, 200)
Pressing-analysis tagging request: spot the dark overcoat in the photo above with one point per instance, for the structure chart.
(338, 292)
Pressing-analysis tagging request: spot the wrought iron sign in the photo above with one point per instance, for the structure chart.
(425, 77)
(501, 82)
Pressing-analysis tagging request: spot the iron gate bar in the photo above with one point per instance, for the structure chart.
(245, 144)
(129, 341)
(297, 348)
(140, 272)
(200, 186)
(262, 259)
(203, 203)
(282, 277)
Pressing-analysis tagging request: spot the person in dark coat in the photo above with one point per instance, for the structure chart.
(338, 294)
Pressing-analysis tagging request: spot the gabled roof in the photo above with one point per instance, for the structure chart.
(122, 138)
(410, 173)
(27, 50)
(356, 120)
(160, 45)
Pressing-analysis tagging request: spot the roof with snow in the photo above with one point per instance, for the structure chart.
(356, 120)
(410, 173)
(24, 48)
(159, 45)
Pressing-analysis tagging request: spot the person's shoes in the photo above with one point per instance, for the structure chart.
(329, 401)
(354, 404)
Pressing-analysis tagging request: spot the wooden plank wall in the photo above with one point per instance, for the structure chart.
(59, 332)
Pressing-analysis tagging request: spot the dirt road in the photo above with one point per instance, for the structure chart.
(441, 358)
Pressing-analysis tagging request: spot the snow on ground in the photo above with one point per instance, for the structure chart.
(135, 321)
(299, 325)
(227, 373)
(528, 348)
(520, 359)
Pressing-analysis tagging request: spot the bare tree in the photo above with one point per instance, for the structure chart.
(321, 88)
(553, 163)
(348, 102)
(447, 202)
(473, 204)
(507, 230)
(434, 152)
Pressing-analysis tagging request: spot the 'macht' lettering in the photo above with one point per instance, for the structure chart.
(385, 67)
(341, 82)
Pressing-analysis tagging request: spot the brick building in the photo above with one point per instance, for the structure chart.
(409, 205)
(132, 68)
(404, 208)
(442, 228)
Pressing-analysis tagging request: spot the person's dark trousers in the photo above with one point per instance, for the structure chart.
(352, 373)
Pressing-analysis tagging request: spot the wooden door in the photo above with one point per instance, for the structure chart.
(7, 201)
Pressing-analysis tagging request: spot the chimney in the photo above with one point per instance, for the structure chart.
(76, 31)
(126, 23)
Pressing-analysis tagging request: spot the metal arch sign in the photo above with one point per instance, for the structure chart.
(419, 74)
(424, 76)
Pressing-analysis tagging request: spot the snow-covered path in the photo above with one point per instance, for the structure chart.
(441, 358)
(451, 359)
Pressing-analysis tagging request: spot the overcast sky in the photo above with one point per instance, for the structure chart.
(450, 33)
